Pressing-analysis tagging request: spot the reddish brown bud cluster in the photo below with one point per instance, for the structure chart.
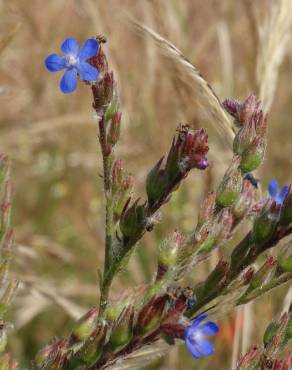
(192, 148)
(188, 150)
(242, 112)
(250, 141)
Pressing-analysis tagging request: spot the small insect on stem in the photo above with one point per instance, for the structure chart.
(175, 293)
(101, 39)
(254, 181)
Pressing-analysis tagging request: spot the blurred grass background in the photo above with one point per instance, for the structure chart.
(52, 141)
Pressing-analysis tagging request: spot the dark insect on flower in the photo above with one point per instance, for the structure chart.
(187, 293)
(254, 181)
(101, 39)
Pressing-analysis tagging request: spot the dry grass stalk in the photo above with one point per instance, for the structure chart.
(189, 75)
(274, 35)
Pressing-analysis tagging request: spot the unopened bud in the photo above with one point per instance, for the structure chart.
(133, 220)
(251, 359)
(114, 128)
(242, 112)
(188, 151)
(149, 318)
(219, 230)
(168, 253)
(230, 187)
(275, 334)
(156, 183)
(286, 211)
(51, 354)
(285, 257)
(207, 209)
(84, 327)
(261, 276)
(245, 200)
(92, 349)
(266, 222)
(122, 330)
(254, 155)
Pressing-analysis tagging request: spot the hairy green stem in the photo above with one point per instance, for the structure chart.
(108, 214)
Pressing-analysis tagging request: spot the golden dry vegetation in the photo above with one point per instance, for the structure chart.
(240, 47)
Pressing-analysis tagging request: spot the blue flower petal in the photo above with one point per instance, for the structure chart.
(68, 82)
(88, 50)
(87, 72)
(281, 196)
(198, 319)
(209, 328)
(70, 46)
(205, 347)
(273, 188)
(193, 350)
(55, 63)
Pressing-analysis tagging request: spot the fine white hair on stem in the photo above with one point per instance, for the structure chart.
(190, 75)
(274, 34)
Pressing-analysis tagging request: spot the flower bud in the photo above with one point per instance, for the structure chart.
(51, 355)
(156, 183)
(275, 334)
(92, 349)
(149, 317)
(245, 200)
(285, 258)
(242, 112)
(266, 222)
(133, 220)
(168, 253)
(114, 128)
(188, 151)
(229, 189)
(207, 209)
(218, 230)
(251, 359)
(84, 327)
(261, 276)
(286, 211)
(253, 156)
(122, 330)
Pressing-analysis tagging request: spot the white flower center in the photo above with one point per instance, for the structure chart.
(196, 336)
(71, 61)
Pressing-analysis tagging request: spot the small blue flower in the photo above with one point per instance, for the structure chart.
(74, 62)
(278, 196)
(195, 337)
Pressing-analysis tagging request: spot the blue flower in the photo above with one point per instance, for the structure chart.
(74, 62)
(278, 196)
(195, 337)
